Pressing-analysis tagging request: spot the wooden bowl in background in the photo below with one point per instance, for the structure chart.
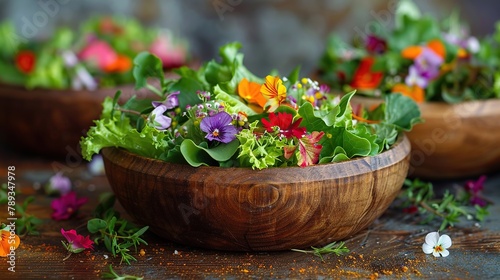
(240, 209)
(455, 141)
(51, 122)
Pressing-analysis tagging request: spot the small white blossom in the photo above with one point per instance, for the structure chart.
(437, 245)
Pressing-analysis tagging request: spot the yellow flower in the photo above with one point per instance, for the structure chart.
(8, 241)
(275, 92)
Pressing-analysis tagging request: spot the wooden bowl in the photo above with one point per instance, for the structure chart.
(50, 122)
(456, 140)
(240, 209)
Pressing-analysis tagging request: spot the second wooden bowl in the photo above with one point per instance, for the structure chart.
(50, 122)
(241, 209)
(455, 141)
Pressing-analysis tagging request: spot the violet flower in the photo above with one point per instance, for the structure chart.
(414, 78)
(428, 63)
(160, 121)
(58, 184)
(170, 102)
(66, 206)
(219, 127)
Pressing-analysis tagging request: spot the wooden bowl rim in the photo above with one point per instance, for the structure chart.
(400, 150)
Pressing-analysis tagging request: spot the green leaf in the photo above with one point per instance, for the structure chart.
(147, 65)
(233, 104)
(197, 155)
(401, 111)
(188, 88)
(96, 225)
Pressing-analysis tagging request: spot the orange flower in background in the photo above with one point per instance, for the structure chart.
(414, 92)
(25, 61)
(275, 91)
(250, 91)
(7, 241)
(435, 45)
(364, 78)
(120, 64)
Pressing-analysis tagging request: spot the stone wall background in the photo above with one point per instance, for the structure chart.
(276, 34)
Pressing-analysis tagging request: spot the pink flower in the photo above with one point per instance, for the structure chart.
(171, 55)
(76, 243)
(100, 53)
(66, 206)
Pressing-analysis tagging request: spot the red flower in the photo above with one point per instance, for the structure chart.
(76, 243)
(66, 206)
(364, 78)
(25, 61)
(285, 124)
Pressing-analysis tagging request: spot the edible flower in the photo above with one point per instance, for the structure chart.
(25, 61)
(8, 241)
(219, 127)
(437, 245)
(58, 184)
(287, 127)
(250, 91)
(66, 206)
(364, 78)
(275, 92)
(75, 243)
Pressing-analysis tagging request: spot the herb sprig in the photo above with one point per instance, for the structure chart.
(117, 234)
(332, 248)
(449, 209)
(26, 223)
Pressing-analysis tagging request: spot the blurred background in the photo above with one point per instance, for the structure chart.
(276, 34)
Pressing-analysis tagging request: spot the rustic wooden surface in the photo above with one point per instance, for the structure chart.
(242, 209)
(390, 248)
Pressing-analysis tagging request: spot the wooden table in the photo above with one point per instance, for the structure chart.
(389, 248)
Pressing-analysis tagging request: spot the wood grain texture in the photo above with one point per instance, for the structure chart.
(241, 209)
(51, 122)
(455, 141)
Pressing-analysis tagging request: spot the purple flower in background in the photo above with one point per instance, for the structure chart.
(58, 184)
(219, 127)
(66, 206)
(170, 102)
(428, 63)
(160, 121)
(375, 44)
(414, 78)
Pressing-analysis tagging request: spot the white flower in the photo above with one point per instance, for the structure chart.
(437, 245)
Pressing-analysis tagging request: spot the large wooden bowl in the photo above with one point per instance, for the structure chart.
(241, 209)
(50, 122)
(456, 140)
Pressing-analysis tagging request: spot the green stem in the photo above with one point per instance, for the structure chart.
(153, 89)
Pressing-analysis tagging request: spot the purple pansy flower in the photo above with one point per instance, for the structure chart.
(428, 63)
(66, 206)
(170, 102)
(219, 127)
(160, 121)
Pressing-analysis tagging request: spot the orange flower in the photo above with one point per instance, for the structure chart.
(7, 242)
(435, 45)
(25, 61)
(250, 91)
(121, 64)
(275, 92)
(414, 92)
(364, 78)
